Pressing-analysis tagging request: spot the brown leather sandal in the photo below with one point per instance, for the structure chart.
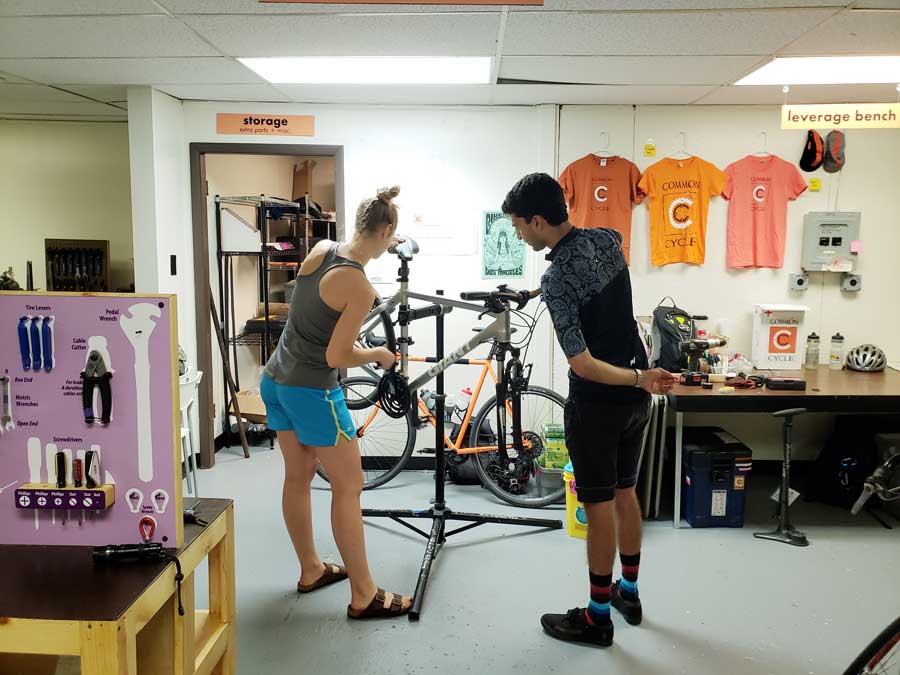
(331, 575)
(380, 608)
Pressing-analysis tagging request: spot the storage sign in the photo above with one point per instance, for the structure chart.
(255, 124)
(841, 116)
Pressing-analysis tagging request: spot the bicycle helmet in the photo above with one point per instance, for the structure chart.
(867, 358)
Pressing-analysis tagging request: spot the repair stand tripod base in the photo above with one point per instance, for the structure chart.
(792, 537)
(438, 536)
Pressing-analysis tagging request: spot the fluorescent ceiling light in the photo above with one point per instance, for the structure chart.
(373, 70)
(827, 70)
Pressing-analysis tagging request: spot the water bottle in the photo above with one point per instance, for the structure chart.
(836, 358)
(812, 352)
(457, 404)
(427, 397)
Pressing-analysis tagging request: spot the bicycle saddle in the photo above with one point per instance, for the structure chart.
(405, 249)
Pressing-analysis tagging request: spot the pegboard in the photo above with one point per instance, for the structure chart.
(86, 373)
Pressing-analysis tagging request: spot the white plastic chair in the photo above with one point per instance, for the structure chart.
(190, 383)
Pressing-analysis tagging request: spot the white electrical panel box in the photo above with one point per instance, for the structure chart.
(831, 241)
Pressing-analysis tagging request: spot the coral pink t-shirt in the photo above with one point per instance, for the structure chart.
(758, 191)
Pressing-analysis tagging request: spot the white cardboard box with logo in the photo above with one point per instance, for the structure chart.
(778, 336)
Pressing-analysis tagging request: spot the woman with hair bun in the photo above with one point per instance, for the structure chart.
(305, 405)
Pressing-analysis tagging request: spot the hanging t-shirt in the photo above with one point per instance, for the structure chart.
(679, 191)
(600, 192)
(758, 191)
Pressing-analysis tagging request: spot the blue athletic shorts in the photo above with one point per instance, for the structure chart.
(318, 416)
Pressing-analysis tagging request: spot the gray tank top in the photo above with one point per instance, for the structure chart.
(299, 360)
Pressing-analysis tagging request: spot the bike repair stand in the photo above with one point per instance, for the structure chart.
(440, 513)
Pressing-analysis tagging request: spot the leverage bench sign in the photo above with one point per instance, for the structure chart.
(841, 116)
(255, 124)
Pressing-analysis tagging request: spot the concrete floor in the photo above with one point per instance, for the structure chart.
(716, 601)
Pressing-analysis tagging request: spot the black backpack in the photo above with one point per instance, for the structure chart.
(671, 326)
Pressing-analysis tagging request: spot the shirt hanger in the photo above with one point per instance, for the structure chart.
(764, 149)
(682, 153)
(604, 149)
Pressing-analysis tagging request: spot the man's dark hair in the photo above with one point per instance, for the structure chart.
(537, 194)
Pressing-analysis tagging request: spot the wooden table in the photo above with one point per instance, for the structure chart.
(832, 391)
(121, 619)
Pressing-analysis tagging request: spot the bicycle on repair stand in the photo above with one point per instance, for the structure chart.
(508, 438)
(882, 655)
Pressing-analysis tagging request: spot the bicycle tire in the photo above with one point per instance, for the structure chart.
(887, 641)
(487, 412)
(361, 403)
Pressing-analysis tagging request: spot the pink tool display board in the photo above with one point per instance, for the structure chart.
(89, 437)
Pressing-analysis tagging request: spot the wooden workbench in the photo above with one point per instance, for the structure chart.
(121, 619)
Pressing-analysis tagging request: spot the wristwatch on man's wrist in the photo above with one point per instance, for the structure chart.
(638, 374)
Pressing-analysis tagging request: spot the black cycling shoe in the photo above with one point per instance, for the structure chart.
(630, 609)
(573, 627)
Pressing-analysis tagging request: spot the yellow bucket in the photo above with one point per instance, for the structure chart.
(576, 516)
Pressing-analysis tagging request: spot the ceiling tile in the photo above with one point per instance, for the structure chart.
(810, 93)
(852, 33)
(668, 70)
(75, 7)
(471, 94)
(104, 36)
(202, 70)
(33, 93)
(224, 92)
(254, 7)
(375, 35)
(572, 95)
(98, 92)
(675, 5)
(672, 33)
(74, 108)
(9, 78)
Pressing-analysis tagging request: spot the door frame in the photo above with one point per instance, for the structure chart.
(202, 275)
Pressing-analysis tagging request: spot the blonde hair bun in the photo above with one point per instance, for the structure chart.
(387, 194)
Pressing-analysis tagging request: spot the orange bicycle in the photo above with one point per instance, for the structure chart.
(505, 440)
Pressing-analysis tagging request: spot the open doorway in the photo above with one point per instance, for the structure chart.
(257, 210)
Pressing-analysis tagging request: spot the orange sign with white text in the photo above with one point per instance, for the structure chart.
(248, 124)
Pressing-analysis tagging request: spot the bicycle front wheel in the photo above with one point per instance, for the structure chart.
(385, 443)
(519, 481)
(881, 656)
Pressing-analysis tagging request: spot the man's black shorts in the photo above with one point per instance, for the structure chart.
(604, 438)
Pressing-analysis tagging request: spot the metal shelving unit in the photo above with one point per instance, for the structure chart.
(303, 229)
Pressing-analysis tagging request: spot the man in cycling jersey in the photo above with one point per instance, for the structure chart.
(587, 289)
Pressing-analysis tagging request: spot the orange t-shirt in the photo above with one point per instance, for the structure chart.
(600, 192)
(679, 191)
(758, 191)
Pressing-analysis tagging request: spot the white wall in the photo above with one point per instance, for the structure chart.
(160, 192)
(64, 180)
(721, 135)
(471, 158)
(454, 163)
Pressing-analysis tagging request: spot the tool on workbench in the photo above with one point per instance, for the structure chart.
(96, 375)
(61, 470)
(92, 467)
(50, 467)
(692, 375)
(191, 518)
(137, 553)
(34, 470)
(77, 473)
(147, 528)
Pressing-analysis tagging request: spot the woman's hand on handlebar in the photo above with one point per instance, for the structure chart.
(384, 357)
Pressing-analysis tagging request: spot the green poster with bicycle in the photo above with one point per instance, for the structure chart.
(502, 253)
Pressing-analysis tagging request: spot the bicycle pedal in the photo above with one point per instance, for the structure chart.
(426, 451)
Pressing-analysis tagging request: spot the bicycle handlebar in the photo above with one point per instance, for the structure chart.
(501, 295)
(875, 484)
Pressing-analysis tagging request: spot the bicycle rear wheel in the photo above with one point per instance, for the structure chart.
(881, 656)
(385, 443)
(521, 482)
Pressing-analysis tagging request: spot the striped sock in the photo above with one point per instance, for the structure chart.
(597, 612)
(628, 584)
